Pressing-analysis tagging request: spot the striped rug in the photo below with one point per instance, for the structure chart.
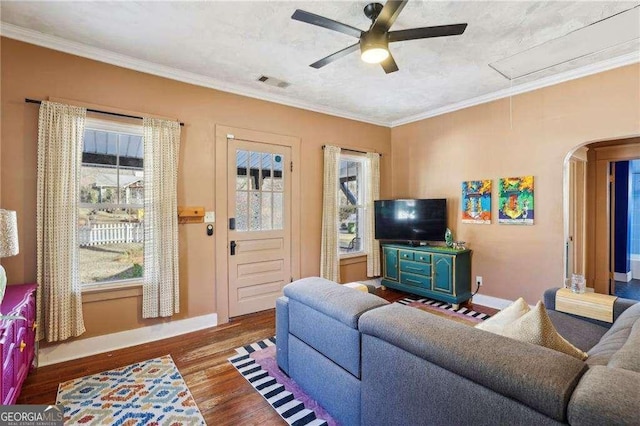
(443, 305)
(275, 389)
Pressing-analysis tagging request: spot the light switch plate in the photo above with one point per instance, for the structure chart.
(209, 217)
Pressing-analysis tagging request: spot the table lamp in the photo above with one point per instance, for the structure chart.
(8, 242)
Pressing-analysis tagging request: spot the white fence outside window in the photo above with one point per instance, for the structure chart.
(110, 233)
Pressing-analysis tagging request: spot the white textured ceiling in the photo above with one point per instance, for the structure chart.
(236, 42)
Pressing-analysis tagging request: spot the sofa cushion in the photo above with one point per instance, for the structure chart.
(536, 327)
(329, 385)
(496, 323)
(628, 357)
(342, 303)
(324, 315)
(332, 338)
(615, 337)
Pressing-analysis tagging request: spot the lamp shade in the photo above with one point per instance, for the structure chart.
(8, 233)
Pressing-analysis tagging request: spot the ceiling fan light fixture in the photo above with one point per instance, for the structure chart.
(374, 47)
(374, 55)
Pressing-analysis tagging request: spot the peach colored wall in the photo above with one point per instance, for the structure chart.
(431, 158)
(39, 73)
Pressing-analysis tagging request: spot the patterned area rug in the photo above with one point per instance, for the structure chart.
(146, 393)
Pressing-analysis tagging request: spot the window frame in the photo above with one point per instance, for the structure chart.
(112, 126)
(361, 224)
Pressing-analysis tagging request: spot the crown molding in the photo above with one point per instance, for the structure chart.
(618, 61)
(109, 57)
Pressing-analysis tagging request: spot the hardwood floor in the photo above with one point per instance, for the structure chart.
(222, 394)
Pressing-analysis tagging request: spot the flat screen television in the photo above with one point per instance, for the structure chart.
(411, 220)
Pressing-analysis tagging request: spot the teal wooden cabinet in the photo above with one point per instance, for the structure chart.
(437, 272)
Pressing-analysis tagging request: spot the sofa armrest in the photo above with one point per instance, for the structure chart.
(619, 306)
(535, 376)
(282, 333)
(606, 396)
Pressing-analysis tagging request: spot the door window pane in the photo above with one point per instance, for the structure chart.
(242, 179)
(266, 210)
(242, 210)
(254, 207)
(278, 210)
(259, 196)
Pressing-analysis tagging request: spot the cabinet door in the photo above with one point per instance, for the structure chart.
(390, 263)
(443, 273)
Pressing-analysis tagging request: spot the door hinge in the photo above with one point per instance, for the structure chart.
(610, 275)
(291, 166)
(612, 179)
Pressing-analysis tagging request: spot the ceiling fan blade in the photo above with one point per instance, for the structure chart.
(427, 32)
(389, 65)
(334, 56)
(388, 15)
(321, 21)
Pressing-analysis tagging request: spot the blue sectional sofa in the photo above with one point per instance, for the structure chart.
(369, 362)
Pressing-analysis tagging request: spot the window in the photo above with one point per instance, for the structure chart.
(111, 208)
(351, 204)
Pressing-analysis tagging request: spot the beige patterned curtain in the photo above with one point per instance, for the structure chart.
(372, 193)
(161, 290)
(329, 257)
(59, 301)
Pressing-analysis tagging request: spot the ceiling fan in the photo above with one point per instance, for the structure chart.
(374, 43)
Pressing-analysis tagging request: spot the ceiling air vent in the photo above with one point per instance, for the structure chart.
(271, 81)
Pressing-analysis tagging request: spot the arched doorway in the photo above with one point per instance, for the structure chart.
(592, 223)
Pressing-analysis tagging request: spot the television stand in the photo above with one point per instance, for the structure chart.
(440, 273)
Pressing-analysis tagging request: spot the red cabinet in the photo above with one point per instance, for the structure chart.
(17, 340)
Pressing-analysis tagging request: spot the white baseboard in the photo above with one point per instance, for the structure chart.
(124, 339)
(625, 277)
(491, 302)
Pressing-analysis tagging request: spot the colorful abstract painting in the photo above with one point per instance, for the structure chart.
(476, 201)
(515, 200)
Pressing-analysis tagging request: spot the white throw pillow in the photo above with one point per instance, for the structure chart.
(499, 321)
(536, 327)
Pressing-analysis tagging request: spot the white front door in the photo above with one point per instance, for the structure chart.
(259, 231)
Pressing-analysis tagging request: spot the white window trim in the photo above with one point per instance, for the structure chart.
(110, 285)
(362, 159)
(123, 128)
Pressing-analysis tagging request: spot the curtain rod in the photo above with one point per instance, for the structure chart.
(355, 150)
(117, 114)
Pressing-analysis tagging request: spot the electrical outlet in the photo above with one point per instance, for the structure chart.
(478, 280)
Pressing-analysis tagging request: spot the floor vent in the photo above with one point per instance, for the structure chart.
(271, 81)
